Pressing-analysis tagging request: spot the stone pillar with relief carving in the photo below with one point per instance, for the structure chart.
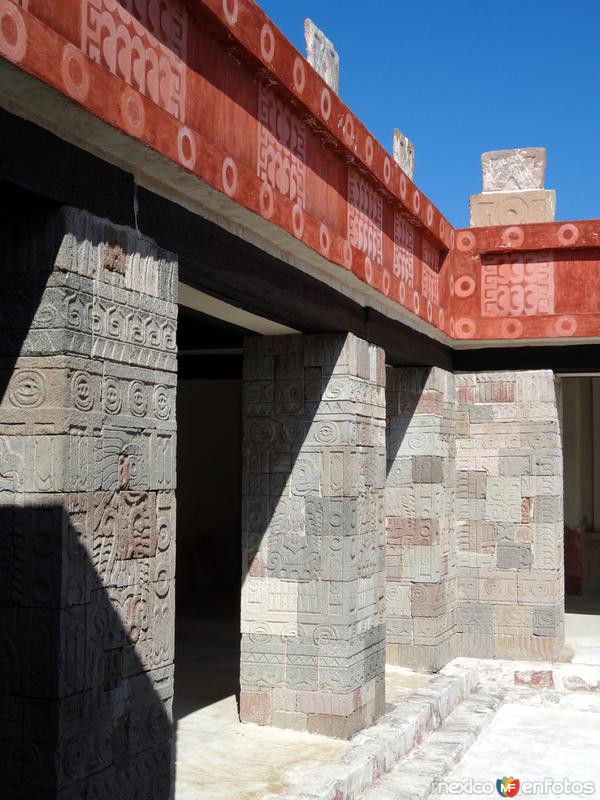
(313, 629)
(87, 479)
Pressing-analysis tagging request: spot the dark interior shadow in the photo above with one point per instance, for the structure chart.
(85, 671)
(208, 519)
(585, 604)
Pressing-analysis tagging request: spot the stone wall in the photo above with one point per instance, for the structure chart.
(509, 516)
(420, 559)
(87, 480)
(313, 632)
(474, 508)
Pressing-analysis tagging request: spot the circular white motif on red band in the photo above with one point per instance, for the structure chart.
(229, 176)
(231, 10)
(13, 33)
(441, 318)
(452, 326)
(386, 283)
(568, 233)
(347, 255)
(325, 103)
(416, 302)
(417, 201)
(299, 75)
(297, 221)
(403, 186)
(368, 270)
(452, 239)
(349, 129)
(402, 293)
(429, 311)
(464, 286)
(511, 328)
(387, 170)
(442, 227)
(513, 236)
(566, 326)
(75, 73)
(465, 241)
(267, 43)
(465, 328)
(369, 150)
(186, 147)
(266, 201)
(430, 215)
(324, 240)
(132, 112)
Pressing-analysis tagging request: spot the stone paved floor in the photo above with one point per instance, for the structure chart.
(531, 743)
(218, 758)
(582, 629)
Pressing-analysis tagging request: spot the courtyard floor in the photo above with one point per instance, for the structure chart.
(531, 735)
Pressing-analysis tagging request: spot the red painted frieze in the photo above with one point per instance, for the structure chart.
(213, 87)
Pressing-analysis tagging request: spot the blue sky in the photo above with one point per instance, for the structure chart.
(460, 77)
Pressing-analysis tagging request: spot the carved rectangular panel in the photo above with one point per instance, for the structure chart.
(281, 147)
(517, 285)
(365, 216)
(142, 45)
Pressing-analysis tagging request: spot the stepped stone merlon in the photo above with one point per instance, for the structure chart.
(404, 153)
(513, 189)
(322, 55)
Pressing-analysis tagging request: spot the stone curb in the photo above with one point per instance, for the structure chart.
(416, 777)
(376, 750)
(539, 675)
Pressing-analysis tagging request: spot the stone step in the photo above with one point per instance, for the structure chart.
(376, 750)
(416, 776)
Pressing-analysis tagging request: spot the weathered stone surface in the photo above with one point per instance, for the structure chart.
(322, 55)
(512, 208)
(313, 533)
(511, 516)
(403, 151)
(87, 509)
(419, 517)
(513, 170)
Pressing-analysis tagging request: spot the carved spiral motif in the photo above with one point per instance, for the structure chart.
(112, 397)
(326, 433)
(83, 396)
(27, 389)
(137, 399)
(162, 406)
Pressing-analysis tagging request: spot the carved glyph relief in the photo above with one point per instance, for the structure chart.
(517, 285)
(513, 170)
(144, 43)
(404, 244)
(365, 216)
(281, 147)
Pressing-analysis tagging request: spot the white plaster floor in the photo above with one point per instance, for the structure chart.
(217, 757)
(582, 630)
(531, 743)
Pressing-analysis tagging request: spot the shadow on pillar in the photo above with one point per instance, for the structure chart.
(313, 631)
(84, 710)
(420, 590)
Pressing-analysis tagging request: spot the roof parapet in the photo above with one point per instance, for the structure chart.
(322, 55)
(513, 189)
(403, 151)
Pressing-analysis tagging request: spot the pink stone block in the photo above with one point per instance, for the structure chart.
(255, 707)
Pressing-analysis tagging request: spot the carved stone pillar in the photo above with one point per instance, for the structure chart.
(313, 633)
(419, 493)
(87, 479)
(509, 516)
